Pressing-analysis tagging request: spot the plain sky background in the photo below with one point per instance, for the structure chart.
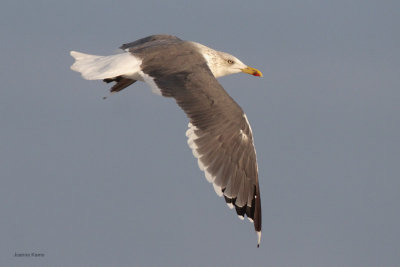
(93, 182)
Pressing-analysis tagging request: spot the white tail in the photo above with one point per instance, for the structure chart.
(94, 67)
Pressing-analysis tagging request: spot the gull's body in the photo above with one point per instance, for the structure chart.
(219, 133)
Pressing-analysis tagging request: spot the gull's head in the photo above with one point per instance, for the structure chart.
(226, 64)
(222, 64)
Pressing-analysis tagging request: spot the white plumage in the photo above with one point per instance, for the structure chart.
(94, 67)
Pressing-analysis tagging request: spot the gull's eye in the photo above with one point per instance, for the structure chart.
(230, 61)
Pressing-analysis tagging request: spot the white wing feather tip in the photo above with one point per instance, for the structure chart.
(230, 205)
(259, 238)
(218, 190)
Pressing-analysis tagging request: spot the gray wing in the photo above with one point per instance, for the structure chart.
(219, 133)
(153, 42)
(150, 41)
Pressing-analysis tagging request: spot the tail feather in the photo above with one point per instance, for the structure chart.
(93, 67)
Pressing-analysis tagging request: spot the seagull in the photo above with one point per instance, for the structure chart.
(219, 133)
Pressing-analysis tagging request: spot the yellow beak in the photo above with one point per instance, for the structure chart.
(252, 71)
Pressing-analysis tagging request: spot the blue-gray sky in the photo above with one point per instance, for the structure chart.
(90, 182)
